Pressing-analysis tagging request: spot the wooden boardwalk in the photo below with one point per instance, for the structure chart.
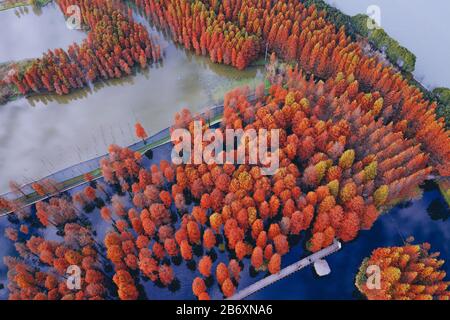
(336, 246)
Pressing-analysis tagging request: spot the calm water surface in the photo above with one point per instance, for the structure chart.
(421, 26)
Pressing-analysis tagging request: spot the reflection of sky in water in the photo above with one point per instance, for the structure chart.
(30, 34)
(44, 134)
(420, 26)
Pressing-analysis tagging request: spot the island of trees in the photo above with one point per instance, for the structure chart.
(410, 272)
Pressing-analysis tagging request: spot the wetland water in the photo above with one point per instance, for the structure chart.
(41, 135)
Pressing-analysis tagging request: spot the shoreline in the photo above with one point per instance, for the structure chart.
(443, 184)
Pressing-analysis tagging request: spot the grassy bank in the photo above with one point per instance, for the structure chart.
(8, 91)
(356, 26)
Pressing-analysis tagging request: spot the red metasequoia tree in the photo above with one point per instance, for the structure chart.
(140, 131)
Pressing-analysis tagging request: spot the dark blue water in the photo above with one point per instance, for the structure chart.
(425, 219)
